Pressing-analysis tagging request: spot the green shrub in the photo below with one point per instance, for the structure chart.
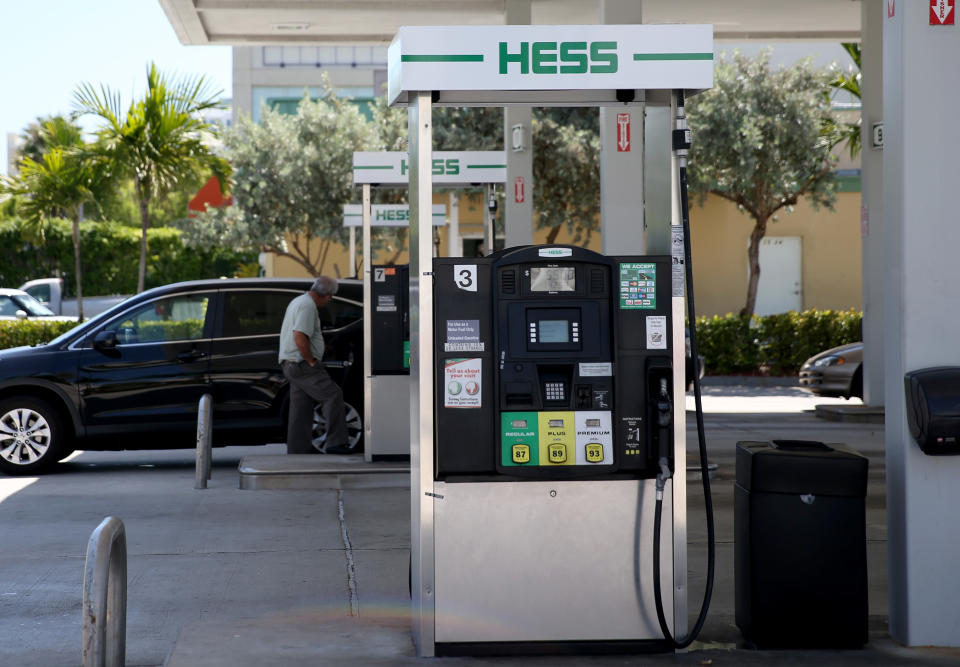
(772, 344)
(110, 254)
(14, 333)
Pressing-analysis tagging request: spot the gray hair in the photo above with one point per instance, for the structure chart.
(324, 285)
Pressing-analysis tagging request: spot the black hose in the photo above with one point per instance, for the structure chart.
(701, 438)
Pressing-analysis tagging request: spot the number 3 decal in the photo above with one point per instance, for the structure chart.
(465, 277)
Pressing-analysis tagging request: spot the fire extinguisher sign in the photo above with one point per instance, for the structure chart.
(623, 133)
(942, 12)
(518, 193)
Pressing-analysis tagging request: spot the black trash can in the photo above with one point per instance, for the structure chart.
(800, 549)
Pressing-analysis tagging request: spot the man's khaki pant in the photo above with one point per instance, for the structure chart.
(310, 385)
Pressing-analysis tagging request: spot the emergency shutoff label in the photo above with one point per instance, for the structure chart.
(638, 285)
(462, 381)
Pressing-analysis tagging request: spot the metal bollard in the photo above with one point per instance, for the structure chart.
(204, 436)
(104, 625)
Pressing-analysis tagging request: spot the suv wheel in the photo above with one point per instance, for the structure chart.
(32, 436)
(354, 428)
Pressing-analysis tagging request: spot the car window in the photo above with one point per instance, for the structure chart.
(40, 292)
(8, 307)
(254, 312)
(32, 306)
(173, 318)
(339, 314)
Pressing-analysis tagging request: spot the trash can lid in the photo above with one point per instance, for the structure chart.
(801, 466)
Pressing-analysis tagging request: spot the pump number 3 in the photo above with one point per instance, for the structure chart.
(465, 277)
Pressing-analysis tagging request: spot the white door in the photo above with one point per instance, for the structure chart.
(781, 280)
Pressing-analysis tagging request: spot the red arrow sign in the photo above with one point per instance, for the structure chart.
(941, 12)
(623, 132)
(518, 193)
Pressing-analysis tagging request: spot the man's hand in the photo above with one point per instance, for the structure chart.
(303, 346)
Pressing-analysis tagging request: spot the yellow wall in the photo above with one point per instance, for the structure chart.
(830, 242)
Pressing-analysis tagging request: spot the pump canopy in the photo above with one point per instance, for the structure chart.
(560, 65)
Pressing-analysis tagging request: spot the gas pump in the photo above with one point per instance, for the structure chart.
(548, 443)
(555, 361)
(386, 328)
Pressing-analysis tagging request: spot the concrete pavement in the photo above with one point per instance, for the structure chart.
(234, 577)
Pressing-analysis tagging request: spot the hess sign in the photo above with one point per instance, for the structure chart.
(545, 65)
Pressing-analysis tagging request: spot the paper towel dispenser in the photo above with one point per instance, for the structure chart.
(933, 408)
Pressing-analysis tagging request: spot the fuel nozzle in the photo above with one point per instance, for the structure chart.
(664, 420)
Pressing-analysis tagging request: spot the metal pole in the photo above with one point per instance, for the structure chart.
(104, 623)
(353, 253)
(679, 490)
(367, 331)
(489, 225)
(421, 374)
(204, 429)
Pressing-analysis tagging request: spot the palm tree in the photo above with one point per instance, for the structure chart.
(849, 81)
(60, 183)
(159, 141)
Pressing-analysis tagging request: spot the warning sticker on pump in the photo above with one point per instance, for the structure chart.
(463, 336)
(462, 382)
(656, 332)
(386, 303)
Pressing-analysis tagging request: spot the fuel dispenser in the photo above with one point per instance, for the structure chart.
(386, 329)
(548, 442)
(390, 320)
(553, 363)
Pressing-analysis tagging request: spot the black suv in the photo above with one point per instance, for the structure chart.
(132, 377)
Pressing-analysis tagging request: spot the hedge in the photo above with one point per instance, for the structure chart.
(14, 333)
(773, 344)
(110, 255)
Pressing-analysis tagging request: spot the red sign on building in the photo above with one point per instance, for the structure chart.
(518, 194)
(623, 132)
(942, 12)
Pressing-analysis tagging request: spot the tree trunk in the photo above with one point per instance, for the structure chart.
(76, 266)
(144, 202)
(753, 259)
(552, 236)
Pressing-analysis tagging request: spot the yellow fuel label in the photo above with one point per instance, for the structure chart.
(594, 452)
(520, 453)
(557, 439)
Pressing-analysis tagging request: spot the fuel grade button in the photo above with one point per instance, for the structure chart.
(557, 453)
(520, 453)
(594, 452)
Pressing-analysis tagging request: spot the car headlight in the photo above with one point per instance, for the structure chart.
(829, 360)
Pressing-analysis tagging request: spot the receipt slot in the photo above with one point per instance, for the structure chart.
(549, 361)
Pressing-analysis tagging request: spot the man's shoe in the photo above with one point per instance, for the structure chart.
(345, 448)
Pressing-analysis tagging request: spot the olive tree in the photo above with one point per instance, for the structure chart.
(292, 174)
(762, 139)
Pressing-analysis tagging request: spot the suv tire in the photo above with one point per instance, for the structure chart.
(32, 436)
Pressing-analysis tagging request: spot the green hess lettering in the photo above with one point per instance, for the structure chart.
(393, 215)
(559, 57)
(439, 167)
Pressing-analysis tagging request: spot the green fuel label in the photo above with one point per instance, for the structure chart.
(638, 285)
(519, 441)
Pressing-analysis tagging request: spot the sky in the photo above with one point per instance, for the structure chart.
(49, 47)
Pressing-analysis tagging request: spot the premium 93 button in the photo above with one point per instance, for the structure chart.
(520, 453)
(557, 453)
(594, 452)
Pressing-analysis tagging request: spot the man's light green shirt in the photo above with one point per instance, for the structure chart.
(302, 316)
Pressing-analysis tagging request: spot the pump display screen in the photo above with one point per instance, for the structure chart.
(554, 331)
(552, 279)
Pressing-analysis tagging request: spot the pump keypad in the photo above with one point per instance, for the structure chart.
(554, 391)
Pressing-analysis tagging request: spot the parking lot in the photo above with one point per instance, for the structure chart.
(230, 577)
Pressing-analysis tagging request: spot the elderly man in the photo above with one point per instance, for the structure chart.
(301, 352)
